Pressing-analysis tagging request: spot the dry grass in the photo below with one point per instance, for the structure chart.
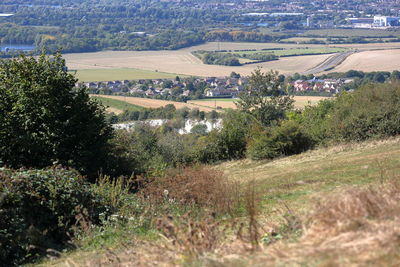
(300, 102)
(380, 60)
(182, 62)
(155, 103)
(348, 207)
(358, 227)
(199, 186)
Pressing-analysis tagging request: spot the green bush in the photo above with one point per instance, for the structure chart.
(373, 111)
(284, 140)
(229, 142)
(40, 209)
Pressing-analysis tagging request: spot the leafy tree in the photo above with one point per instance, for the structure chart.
(263, 97)
(44, 119)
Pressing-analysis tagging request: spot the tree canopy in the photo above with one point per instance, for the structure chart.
(263, 97)
(45, 120)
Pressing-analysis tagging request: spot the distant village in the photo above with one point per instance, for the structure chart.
(194, 88)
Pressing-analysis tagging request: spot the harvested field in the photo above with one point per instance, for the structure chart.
(300, 102)
(155, 103)
(383, 60)
(182, 62)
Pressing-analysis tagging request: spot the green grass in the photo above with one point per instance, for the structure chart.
(296, 180)
(98, 75)
(367, 33)
(117, 104)
(295, 51)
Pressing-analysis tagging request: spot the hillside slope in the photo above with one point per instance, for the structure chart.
(337, 205)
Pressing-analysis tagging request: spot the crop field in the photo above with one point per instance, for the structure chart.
(380, 60)
(182, 62)
(149, 103)
(98, 75)
(300, 102)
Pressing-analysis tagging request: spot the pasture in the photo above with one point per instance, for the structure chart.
(294, 51)
(116, 106)
(99, 75)
(366, 33)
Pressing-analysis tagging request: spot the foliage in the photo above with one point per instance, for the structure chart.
(39, 209)
(227, 143)
(372, 111)
(284, 140)
(44, 119)
(263, 98)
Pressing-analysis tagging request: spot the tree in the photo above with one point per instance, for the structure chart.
(45, 120)
(263, 97)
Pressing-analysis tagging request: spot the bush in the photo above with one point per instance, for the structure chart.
(39, 209)
(45, 119)
(228, 142)
(373, 111)
(284, 140)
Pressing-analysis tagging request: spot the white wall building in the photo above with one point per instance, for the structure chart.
(383, 21)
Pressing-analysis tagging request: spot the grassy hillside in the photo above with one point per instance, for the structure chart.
(287, 189)
(117, 105)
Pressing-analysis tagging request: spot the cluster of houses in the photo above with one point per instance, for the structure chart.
(331, 86)
(210, 87)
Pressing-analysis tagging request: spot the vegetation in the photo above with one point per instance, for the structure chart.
(45, 120)
(98, 75)
(155, 171)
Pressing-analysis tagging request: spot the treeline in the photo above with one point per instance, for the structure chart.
(234, 36)
(215, 58)
(169, 112)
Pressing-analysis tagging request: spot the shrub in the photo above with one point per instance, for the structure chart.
(45, 119)
(195, 186)
(228, 142)
(40, 208)
(373, 111)
(284, 140)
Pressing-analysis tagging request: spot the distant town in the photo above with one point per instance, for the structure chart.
(210, 87)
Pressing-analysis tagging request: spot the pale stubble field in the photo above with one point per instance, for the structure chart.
(158, 64)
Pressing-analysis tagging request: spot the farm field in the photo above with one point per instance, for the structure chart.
(98, 75)
(380, 60)
(151, 103)
(300, 102)
(295, 51)
(369, 33)
(182, 62)
(116, 106)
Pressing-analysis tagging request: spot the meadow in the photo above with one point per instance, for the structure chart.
(99, 75)
(116, 106)
(295, 51)
(367, 33)
(331, 188)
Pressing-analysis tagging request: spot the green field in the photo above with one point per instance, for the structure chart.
(116, 104)
(368, 33)
(98, 75)
(295, 51)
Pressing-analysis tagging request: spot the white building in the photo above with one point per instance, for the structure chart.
(383, 21)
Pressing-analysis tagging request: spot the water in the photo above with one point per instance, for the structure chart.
(4, 47)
